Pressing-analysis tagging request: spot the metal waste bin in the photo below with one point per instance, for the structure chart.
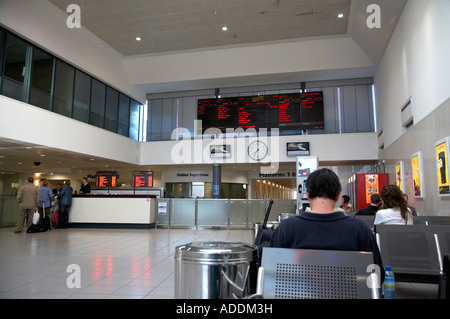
(215, 270)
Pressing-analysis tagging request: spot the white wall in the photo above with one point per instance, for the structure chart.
(329, 147)
(262, 61)
(29, 124)
(416, 65)
(45, 25)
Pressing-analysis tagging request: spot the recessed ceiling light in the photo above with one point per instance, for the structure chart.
(224, 28)
(138, 38)
(340, 15)
(42, 155)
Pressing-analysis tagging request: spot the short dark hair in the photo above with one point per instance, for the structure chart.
(375, 199)
(323, 183)
(346, 198)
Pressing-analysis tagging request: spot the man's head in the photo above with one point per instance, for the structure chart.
(323, 183)
(375, 199)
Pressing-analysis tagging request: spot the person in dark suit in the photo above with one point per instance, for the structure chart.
(375, 202)
(85, 187)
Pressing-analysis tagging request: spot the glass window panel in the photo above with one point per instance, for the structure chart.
(98, 95)
(112, 105)
(17, 53)
(2, 34)
(124, 115)
(134, 120)
(63, 94)
(82, 96)
(154, 122)
(41, 79)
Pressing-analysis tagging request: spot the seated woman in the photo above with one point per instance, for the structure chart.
(394, 210)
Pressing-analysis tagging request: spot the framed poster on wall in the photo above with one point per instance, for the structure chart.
(399, 175)
(442, 151)
(417, 174)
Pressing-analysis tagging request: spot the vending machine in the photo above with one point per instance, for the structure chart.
(362, 186)
(305, 166)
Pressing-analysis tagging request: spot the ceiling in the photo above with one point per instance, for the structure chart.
(176, 25)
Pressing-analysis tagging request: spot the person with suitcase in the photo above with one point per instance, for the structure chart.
(45, 203)
(65, 201)
(28, 198)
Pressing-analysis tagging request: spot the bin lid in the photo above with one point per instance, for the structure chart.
(216, 251)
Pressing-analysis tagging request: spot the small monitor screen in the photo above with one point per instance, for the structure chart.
(297, 148)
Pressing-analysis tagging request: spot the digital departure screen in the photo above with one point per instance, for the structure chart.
(283, 111)
(106, 179)
(142, 179)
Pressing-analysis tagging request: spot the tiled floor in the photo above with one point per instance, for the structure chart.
(113, 263)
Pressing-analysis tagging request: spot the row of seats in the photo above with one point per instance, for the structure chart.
(416, 253)
(417, 220)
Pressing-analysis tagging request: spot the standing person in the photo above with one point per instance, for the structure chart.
(85, 187)
(323, 227)
(394, 210)
(45, 200)
(57, 190)
(375, 202)
(65, 201)
(28, 198)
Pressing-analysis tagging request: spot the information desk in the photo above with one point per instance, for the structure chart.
(113, 211)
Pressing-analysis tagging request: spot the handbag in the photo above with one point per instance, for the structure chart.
(36, 217)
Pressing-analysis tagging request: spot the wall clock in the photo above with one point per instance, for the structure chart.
(257, 150)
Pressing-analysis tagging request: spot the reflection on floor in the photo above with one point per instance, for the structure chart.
(113, 263)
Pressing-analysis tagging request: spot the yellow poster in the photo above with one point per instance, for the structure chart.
(415, 161)
(371, 186)
(442, 168)
(398, 175)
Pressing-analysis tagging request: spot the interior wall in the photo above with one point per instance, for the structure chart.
(415, 66)
(422, 137)
(30, 124)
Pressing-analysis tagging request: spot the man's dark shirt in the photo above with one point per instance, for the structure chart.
(369, 211)
(334, 231)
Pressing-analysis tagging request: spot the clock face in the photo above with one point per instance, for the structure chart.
(257, 150)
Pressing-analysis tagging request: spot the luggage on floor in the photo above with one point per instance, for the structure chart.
(44, 224)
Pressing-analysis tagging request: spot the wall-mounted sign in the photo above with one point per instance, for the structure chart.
(371, 186)
(442, 151)
(106, 179)
(417, 174)
(142, 178)
(399, 175)
(297, 148)
(220, 151)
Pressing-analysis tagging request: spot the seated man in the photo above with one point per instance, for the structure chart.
(375, 202)
(322, 228)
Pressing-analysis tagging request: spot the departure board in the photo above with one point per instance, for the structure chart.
(282, 111)
(106, 179)
(142, 178)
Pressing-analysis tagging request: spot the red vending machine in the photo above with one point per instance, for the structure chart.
(362, 186)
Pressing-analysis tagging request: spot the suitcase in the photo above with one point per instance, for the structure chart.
(43, 226)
